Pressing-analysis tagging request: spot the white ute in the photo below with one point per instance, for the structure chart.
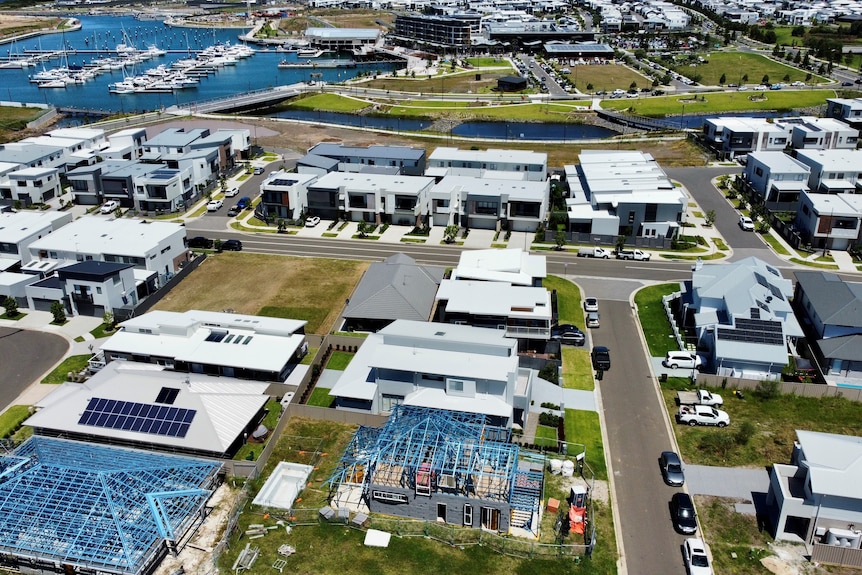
(699, 397)
(594, 253)
(637, 255)
(702, 415)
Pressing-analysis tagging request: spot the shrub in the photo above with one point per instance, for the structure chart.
(550, 373)
(549, 419)
(11, 305)
(549, 405)
(59, 312)
(745, 432)
(767, 389)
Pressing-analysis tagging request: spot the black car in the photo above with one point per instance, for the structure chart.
(568, 334)
(234, 211)
(231, 246)
(846, 83)
(601, 357)
(201, 242)
(682, 510)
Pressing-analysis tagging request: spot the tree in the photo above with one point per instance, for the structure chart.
(723, 79)
(590, 87)
(108, 319)
(806, 60)
(808, 77)
(621, 242)
(710, 217)
(765, 79)
(745, 77)
(560, 239)
(786, 78)
(222, 181)
(217, 245)
(11, 305)
(282, 225)
(449, 234)
(59, 312)
(363, 228)
(633, 86)
(798, 58)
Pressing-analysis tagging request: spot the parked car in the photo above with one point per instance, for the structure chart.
(682, 359)
(601, 358)
(632, 254)
(846, 83)
(311, 221)
(593, 319)
(588, 252)
(233, 211)
(699, 397)
(702, 415)
(200, 242)
(684, 516)
(258, 171)
(671, 468)
(231, 246)
(231, 192)
(798, 83)
(244, 202)
(695, 557)
(214, 205)
(109, 207)
(591, 304)
(746, 223)
(568, 334)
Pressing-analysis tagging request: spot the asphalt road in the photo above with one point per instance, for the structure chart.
(21, 366)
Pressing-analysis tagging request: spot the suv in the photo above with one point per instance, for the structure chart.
(601, 357)
(593, 319)
(684, 516)
(682, 359)
(568, 334)
(200, 242)
(243, 202)
(231, 246)
(695, 557)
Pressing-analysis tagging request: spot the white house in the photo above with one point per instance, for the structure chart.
(830, 221)
(832, 171)
(89, 288)
(811, 133)
(489, 202)
(512, 266)
(731, 137)
(285, 195)
(19, 229)
(35, 185)
(776, 177)
(126, 144)
(378, 198)
(444, 366)
(525, 164)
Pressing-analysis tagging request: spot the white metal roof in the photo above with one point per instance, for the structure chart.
(490, 155)
(515, 189)
(498, 299)
(17, 226)
(834, 461)
(510, 265)
(96, 235)
(480, 403)
(370, 183)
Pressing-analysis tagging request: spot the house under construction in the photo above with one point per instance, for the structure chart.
(444, 466)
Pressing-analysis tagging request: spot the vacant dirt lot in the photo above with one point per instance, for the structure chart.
(312, 289)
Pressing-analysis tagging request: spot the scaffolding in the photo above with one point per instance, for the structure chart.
(437, 451)
(99, 508)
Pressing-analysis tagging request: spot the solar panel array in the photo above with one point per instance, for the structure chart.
(139, 417)
(754, 331)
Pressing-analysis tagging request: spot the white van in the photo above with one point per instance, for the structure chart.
(682, 360)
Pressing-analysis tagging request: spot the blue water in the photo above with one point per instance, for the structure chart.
(848, 386)
(105, 32)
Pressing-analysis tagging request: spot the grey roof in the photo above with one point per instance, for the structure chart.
(317, 161)
(846, 347)
(834, 462)
(25, 154)
(396, 288)
(176, 137)
(835, 301)
(374, 151)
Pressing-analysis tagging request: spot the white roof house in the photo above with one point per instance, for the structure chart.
(490, 201)
(446, 366)
(512, 266)
(833, 171)
(776, 176)
(196, 414)
(361, 195)
(196, 341)
(18, 230)
(833, 221)
(478, 163)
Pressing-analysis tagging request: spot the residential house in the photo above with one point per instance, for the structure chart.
(396, 288)
(730, 137)
(512, 266)
(126, 144)
(815, 499)
(530, 166)
(213, 343)
(19, 229)
(832, 171)
(811, 133)
(848, 110)
(33, 155)
(489, 202)
(409, 161)
(109, 180)
(378, 198)
(284, 195)
(776, 177)
(89, 288)
(740, 314)
(34, 185)
(832, 309)
(443, 366)
(164, 190)
(829, 221)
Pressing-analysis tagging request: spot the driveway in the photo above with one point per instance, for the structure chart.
(738, 483)
(25, 356)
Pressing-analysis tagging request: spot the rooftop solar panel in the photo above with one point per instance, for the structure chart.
(140, 417)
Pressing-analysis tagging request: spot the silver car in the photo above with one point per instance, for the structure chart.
(671, 469)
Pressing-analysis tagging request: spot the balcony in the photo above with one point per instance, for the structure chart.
(528, 332)
(82, 297)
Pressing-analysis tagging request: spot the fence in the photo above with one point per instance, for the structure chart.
(586, 239)
(836, 555)
(157, 295)
(665, 302)
(784, 387)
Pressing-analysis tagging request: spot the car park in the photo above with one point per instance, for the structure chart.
(591, 304)
(109, 207)
(568, 334)
(231, 246)
(214, 205)
(695, 557)
(231, 192)
(671, 469)
(601, 358)
(311, 221)
(200, 242)
(683, 513)
(746, 224)
(593, 320)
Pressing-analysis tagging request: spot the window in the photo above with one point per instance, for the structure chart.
(358, 201)
(758, 171)
(456, 385)
(468, 515)
(487, 208)
(389, 401)
(389, 497)
(98, 290)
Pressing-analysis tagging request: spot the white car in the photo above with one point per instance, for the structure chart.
(746, 224)
(742, 89)
(591, 304)
(311, 221)
(798, 83)
(682, 360)
(761, 87)
(231, 192)
(696, 559)
(109, 207)
(214, 205)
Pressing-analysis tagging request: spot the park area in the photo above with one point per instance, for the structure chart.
(741, 68)
(718, 102)
(607, 77)
(309, 289)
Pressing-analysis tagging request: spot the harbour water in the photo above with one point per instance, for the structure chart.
(99, 37)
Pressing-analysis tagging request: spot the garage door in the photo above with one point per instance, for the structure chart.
(42, 304)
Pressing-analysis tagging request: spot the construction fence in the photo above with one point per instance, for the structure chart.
(784, 387)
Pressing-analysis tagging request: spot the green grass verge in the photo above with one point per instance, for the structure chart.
(568, 300)
(16, 317)
(329, 102)
(309, 357)
(546, 436)
(729, 533)
(251, 451)
(773, 423)
(412, 241)
(339, 360)
(102, 331)
(584, 427)
(606, 77)
(653, 319)
(814, 264)
(12, 418)
(73, 363)
(320, 397)
(577, 369)
(486, 62)
(776, 246)
(721, 102)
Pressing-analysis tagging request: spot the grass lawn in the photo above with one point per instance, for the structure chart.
(11, 419)
(14, 119)
(309, 357)
(329, 102)
(560, 113)
(489, 62)
(730, 532)
(102, 331)
(311, 289)
(777, 246)
(772, 421)
(736, 64)
(273, 412)
(577, 369)
(320, 397)
(583, 427)
(18, 316)
(460, 82)
(72, 363)
(546, 436)
(339, 360)
(606, 77)
(721, 102)
(568, 300)
(653, 319)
